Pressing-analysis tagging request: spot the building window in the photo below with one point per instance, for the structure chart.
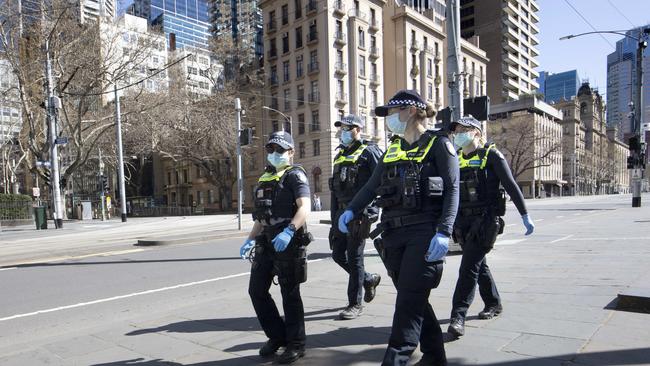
(300, 92)
(287, 99)
(199, 198)
(299, 66)
(285, 43)
(376, 132)
(186, 176)
(276, 126)
(274, 74)
(298, 7)
(429, 67)
(317, 182)
(362, 94)
(285, 14)
(415, 84)
(316, 147)
(339, 57)
(362, 38)
(210, 196)
(315, 122)
(301, 124)
(429, 91)
(339, 87)
(341, 114)
(362, 65)
(285, 71)
(273, 50)
(298, 37)
(301, 150)
(373, 99)
(169, 178)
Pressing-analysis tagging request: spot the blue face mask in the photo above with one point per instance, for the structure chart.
(395, 125)
(278, 160)
(463, 139)
(346, 138)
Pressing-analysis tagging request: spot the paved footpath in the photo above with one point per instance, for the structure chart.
(559, 290)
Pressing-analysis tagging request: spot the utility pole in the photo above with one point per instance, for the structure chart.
(240, 184)
(52, 104)
(639, 130)
(120, 155)
(102, 197)
(454, 75)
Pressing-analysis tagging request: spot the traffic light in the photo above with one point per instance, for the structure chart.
(631, 162)
(47, 177)
(634, 143)
(103, 183)
(246, 136)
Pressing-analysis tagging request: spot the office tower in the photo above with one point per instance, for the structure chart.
(560, 86)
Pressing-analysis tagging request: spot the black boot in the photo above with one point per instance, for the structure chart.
(370, 286)
(456, 327)
(490, 312)
(428, 360)
(291, 354)
(271, 347)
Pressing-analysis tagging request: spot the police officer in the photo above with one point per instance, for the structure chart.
(417, 184)
(282, 204)
(353, 166)
(483, 170)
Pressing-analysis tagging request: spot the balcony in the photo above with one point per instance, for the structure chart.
(415, 46)
(374, 25)
(314, 97)
(437, 57)
(340, 38)
(312, 37)
(312, 7)
(272, 54)
(273, 81)
(374, 52)
(340, 68)
(356, 13)
(313, 68)
(374, 80)
(339, 8)
(271, 26)
(341, 98)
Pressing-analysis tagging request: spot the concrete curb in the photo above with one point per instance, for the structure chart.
(188, 240)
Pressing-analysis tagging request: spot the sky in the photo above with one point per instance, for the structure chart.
(587, 54)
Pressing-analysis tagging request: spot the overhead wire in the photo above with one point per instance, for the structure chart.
(621, 13)
(589, 23)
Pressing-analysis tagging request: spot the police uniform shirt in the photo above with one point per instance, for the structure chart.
(441, 161)
(498, 171)
(294, 185)
(368, 161)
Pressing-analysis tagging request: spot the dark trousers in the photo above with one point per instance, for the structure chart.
(473, 270)
(347, 252)
(290, 330)
(414, 320)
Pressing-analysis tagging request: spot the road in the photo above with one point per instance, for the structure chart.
(187, 304)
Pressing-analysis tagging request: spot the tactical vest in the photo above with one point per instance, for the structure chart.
(344, 183)
(268, 186)
(474, 188)
(402, 185)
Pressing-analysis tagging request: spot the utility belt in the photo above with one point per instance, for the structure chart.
(289, 265)
(474, 211)
(402, 221)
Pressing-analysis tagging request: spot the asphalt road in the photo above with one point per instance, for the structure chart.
(44, 301)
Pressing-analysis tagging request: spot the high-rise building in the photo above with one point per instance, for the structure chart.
(242, 22)
(188, 21)
(508, 32)
(621, 83)
(94, 9)
(10, 106)
(560, 86)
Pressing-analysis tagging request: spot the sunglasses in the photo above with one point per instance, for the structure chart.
(275, 148)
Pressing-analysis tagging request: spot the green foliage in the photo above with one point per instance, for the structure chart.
(15, 207)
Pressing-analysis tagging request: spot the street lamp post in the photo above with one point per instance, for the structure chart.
(287, 118)
(637, 123)
(120, 155)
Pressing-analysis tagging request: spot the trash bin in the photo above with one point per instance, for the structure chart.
(40, 218)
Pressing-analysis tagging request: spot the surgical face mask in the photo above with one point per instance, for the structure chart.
(278, 160)
(346, 138)
(463, 139)
(395, 125)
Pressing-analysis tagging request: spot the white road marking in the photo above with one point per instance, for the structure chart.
(576, 214)
(508, 241)
(513, 224)
(562, 238)
(610, 239)
(7, 269)
(539, 220)
(559, 217)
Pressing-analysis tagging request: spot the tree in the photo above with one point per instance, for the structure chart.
(525, 147)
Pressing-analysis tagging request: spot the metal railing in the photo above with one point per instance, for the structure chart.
(16, 210)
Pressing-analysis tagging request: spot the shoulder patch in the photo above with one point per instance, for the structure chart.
(450, 148)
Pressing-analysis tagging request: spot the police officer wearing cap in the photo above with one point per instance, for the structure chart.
(353, 166)
(277, 246)
(417, 184)
(483, 173)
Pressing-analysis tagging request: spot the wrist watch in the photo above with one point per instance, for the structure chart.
(292, 227)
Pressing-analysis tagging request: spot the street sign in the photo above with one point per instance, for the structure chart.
(61, 140)
(46, 164)
(36, 192)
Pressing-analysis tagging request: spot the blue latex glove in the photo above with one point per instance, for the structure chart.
(528, 223)
(437, 248)
(344, 219)
(281, 241)
(245, 249)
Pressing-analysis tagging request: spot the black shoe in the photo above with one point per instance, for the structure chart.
(271, 347)
(456, 327)
(428, 360)
(291, 354)
(351, 312)
(490, 312)
(370, 287)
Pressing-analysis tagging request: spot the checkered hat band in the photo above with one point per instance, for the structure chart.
(349, 120)
(278, 141)
(401, 102)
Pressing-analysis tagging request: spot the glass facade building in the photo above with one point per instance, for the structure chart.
(556, 87)
(188, 20)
